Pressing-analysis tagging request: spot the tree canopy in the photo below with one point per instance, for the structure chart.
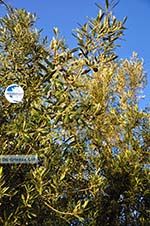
(81, 116)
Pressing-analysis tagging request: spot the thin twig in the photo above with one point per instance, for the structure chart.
(5, 4)
(58, 211)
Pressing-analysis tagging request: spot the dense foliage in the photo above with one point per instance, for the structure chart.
(81, 116)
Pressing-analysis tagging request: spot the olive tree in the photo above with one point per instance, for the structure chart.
(81, 116)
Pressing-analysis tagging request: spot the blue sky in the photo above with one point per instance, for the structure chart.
(65, 15)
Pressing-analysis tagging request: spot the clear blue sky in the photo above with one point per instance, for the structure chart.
(65, 14)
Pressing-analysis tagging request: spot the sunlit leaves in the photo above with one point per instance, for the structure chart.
(80, 115)
(3, 188)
